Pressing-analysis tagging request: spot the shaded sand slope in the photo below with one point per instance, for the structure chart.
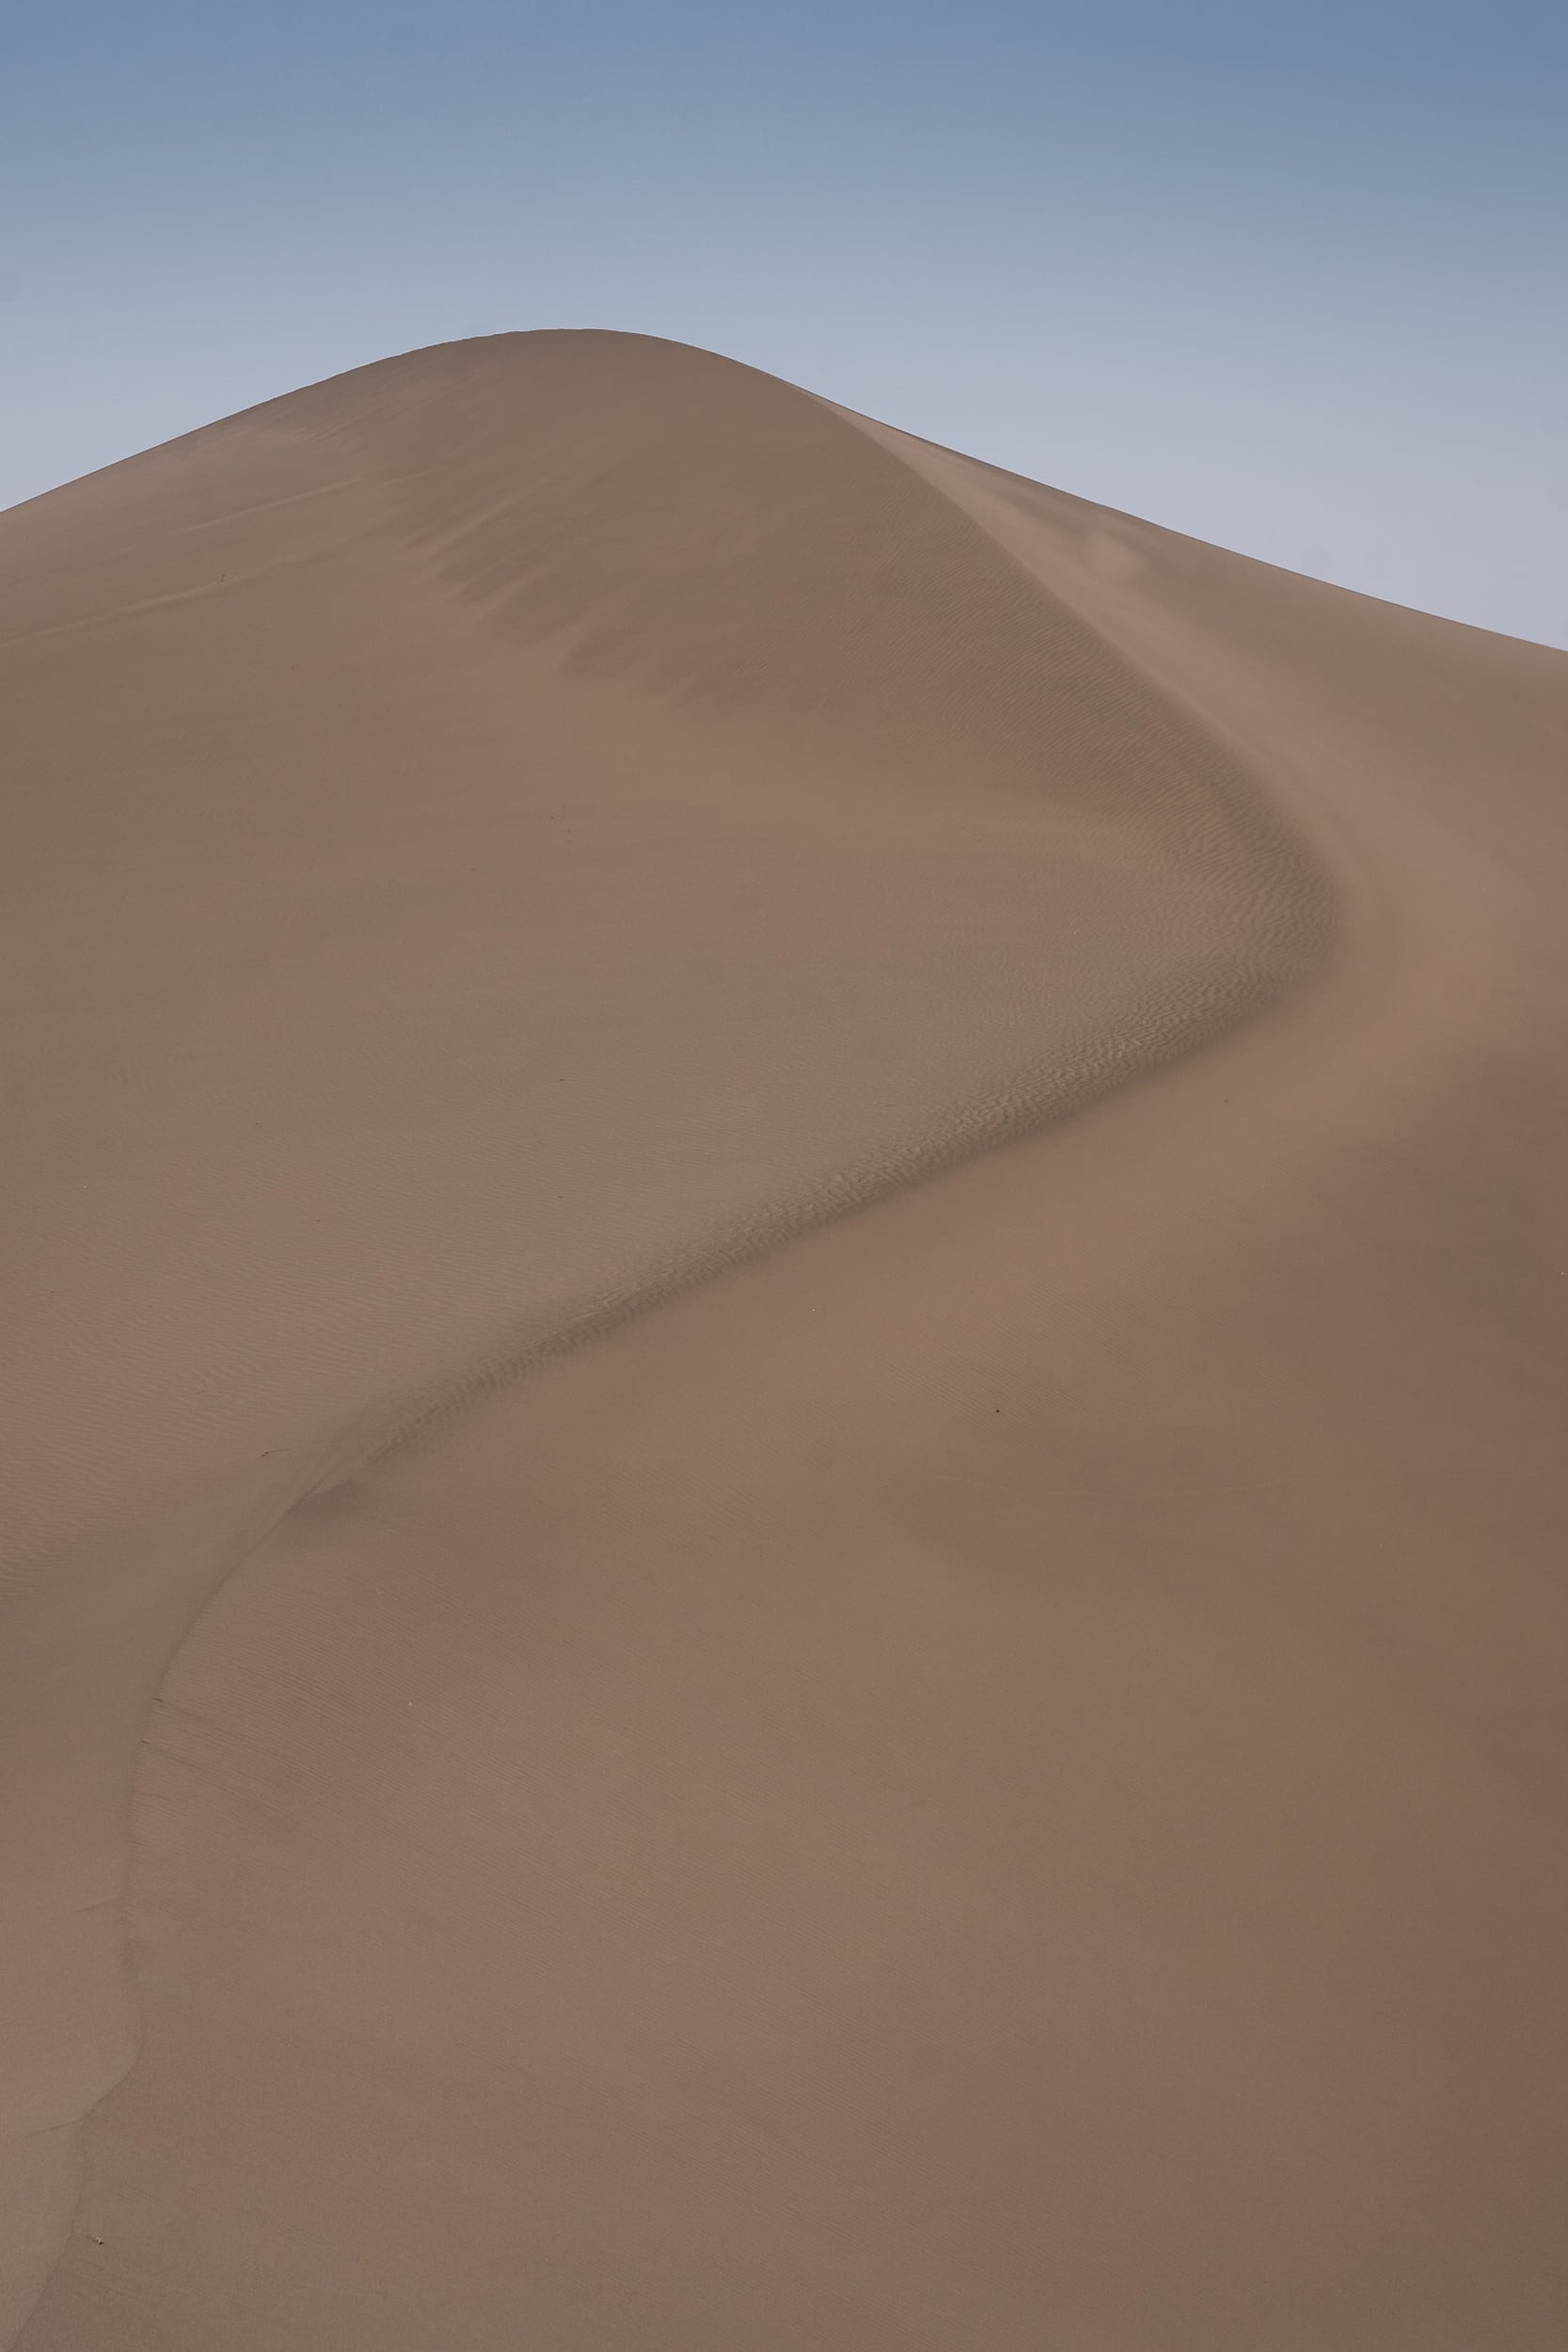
(489, 838)
(990, 1772)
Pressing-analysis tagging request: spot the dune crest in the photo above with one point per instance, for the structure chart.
(511, 836)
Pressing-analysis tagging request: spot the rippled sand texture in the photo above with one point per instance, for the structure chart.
(786, 1327)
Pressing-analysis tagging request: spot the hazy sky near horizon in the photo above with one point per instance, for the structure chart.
(1289, 278)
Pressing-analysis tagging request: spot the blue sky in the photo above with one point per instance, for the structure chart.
(1292, 278)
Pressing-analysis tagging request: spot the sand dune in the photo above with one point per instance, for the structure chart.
(785, 1357)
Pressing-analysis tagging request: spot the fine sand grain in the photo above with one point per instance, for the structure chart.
(786, 1329)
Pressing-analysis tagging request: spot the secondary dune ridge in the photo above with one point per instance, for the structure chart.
(989, 1775)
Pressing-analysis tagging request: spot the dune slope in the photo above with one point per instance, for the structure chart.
(656, 1695)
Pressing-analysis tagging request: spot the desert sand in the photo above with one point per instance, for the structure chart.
(785, 1334)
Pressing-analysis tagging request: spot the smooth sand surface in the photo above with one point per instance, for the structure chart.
(785, 1321)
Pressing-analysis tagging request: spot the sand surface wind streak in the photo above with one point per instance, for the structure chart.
(785, 1335)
